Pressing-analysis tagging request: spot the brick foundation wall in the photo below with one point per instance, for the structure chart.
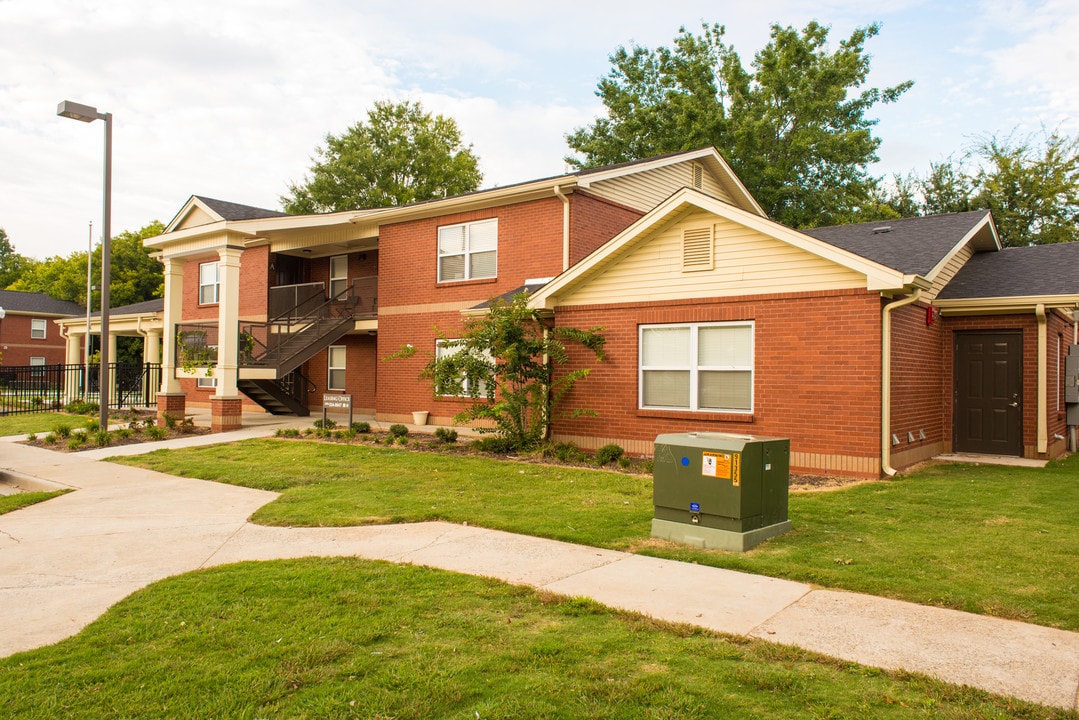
(175, 405)
(817, 377)
(226, 413)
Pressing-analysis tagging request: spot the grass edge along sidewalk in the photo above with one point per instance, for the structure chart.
(991, 540)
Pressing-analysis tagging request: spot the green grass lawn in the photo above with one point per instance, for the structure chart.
(10, 503)
(1003, 541)
(40, 423)
(343, 638)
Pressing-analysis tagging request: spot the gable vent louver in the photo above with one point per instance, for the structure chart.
(698, 176)
(697, 249)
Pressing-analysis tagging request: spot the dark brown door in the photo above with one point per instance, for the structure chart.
(989, 393)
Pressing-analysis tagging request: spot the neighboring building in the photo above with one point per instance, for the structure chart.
(863, 344)
(28, 335)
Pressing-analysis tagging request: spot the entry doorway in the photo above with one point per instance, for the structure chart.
(989, 393)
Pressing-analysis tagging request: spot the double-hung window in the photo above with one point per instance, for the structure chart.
(338, 274)
(468, 251)
(706, 367)
(39, 364)
(37, 328)
(335, 372)
(447, 348)
(209, 283)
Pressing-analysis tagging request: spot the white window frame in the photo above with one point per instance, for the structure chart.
(694, 368)
(37, 361)
(38, 328)
(331, 368)
(338, 282)
(206, 383)
(444, 348)
(216, 284)
(468, 251)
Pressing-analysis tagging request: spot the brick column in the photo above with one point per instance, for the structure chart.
(175, 404)
(226, 413)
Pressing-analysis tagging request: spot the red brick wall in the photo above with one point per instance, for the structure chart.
(918, 391)
(360, 374)
(255, 280)
(17, 347)
(594, 221)
(529, 246)
(817, 372)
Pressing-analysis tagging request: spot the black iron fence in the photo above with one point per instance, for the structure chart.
(36, 388)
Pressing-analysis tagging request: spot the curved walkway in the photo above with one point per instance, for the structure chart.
(64, 562)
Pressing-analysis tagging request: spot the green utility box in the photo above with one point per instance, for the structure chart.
(719, 490)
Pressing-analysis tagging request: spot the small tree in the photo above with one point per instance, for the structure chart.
(505, 363)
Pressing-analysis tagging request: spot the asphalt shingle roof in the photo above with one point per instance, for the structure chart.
(140, 308)
(35, 302)
(1018, 272)
(236, 211)
(912, 245)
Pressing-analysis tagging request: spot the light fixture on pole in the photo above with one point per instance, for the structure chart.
(87, 114)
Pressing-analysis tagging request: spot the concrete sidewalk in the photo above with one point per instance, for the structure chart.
(64, 562)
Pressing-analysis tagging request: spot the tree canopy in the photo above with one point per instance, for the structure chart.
(400, 155)
(12, 264)
(1030, 184)
(793, 127)
(134, 275)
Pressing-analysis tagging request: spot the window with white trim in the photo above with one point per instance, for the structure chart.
(206, 382)
(448, 347)
(468, 251)
(338, 274)
(335, 375)
(706, 367)
(37, 329)
(209, 283)
(37, 362)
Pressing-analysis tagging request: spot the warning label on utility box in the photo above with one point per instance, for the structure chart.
(717, 465)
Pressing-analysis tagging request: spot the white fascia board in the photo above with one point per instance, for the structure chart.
(986, 223)
(1005, 305)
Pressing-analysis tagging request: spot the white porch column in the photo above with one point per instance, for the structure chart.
(72, 356)
(73, 349)
(151, 347)
(228, 321)
(173, 311)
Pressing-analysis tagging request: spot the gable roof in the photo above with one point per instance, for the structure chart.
(878, 276)
(219, 210)
(145, 307)
(39, 303)
(914, 245)
(1038, 270)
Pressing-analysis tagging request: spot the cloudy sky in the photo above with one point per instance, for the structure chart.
(229, 98)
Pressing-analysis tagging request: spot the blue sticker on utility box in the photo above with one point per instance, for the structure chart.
(694, 507)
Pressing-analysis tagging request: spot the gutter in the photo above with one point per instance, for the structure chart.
(565, 226)
(886, 379)
(1043, 399)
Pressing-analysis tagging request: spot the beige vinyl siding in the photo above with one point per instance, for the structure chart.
(196, 217)
(647, 189)
(954, 264)
(746, 263)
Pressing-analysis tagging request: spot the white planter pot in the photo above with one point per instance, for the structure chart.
(419, 417)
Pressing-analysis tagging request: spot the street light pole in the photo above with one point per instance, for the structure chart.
(87, 114)
(89, 294)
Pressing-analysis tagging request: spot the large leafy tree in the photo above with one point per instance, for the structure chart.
(400, 155)
(1031, 184)
(12, 264)
(793, 126)
(134, 275)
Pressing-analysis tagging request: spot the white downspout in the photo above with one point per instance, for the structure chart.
(886, 380)
(1043, 361)
(565, 226)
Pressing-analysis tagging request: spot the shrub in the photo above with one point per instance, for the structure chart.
(156, 433)
(649, 466)
(102, 438)
(564, 452)
(170, 421)
(92, 425)
(37, 402)
(287, 432)
(361, 427)
(33, 436)
(609, 453)
(446, 435)
(81, 407)
(327, 425)
(187, 426)
(402, 440)
(624, 462)
(494, 444)
(49, 439)
(122, 433)
(62, 431)
(77, 440)
(149, 422)
(397, 430)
